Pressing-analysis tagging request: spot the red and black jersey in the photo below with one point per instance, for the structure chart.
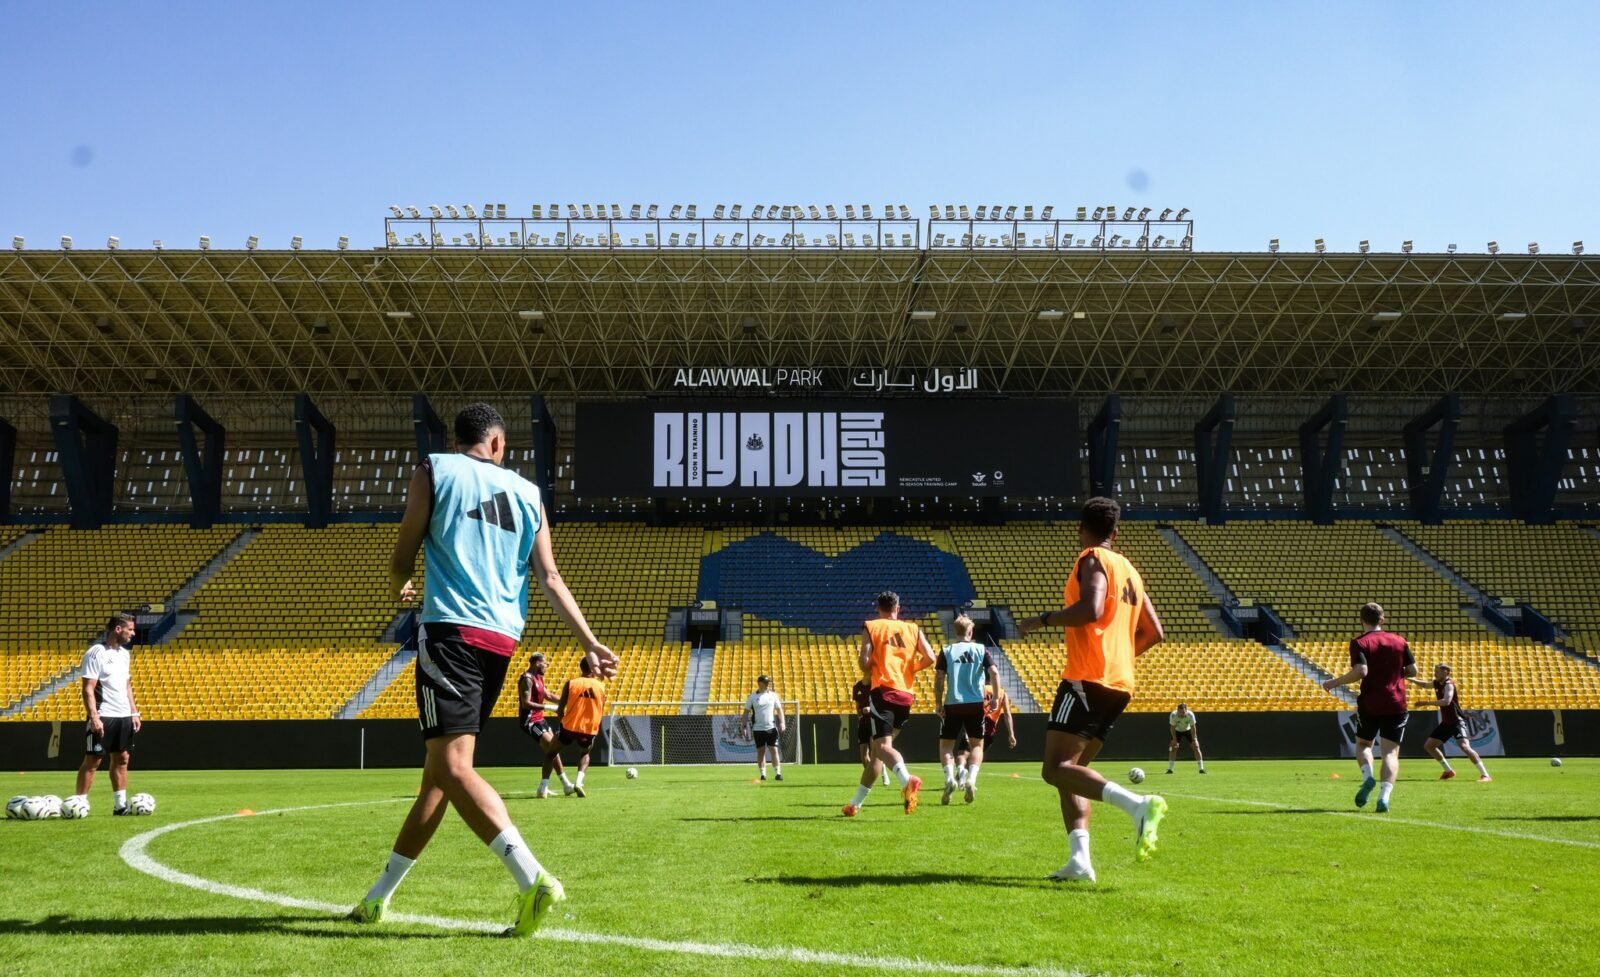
(1451, 711)
(1383, 689)
(539, 696)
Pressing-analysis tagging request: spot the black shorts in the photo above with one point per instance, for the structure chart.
(864, 730)
(887, 718)
(1445, 732)
(538, 730)
(1391, 727)
(1184, 736)
(1086, 709)
(457, 684)
(118, 736)
(568, 738)
(962, 719)
(765, 737)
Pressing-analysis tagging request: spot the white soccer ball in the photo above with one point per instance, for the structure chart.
(52, 806)
(35, 808)
(75, 807)
(633, 773)
(1555, 761)
(1136, 775)
(14, 807)
(142, 804)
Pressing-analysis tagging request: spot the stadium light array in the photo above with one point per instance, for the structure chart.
(1272, 245)
(344, 243)
(1183, 214)
(1577, 247)
(1083, 213)
(1405, 246)
(205, 242)
(394, 209)
(251, 242)
(1365, 246)
(1321, 245)
(1494, 247)
(1533, 247)
(295, 242)
(1166, 214)
(113, 243)
(66, 242)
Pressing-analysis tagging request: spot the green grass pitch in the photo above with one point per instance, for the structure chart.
(1264, 868)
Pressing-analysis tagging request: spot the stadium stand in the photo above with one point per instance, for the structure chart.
(1491, 672)
(1555, 568)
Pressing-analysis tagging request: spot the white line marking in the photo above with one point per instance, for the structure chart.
(1442, 825)
(135, 854)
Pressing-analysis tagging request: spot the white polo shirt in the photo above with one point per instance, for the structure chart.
(109, 667)
(1181, 723)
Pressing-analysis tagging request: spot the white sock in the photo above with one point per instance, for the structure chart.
(902, 774)
(120, 797)
(1170, 765)
(763, 768)
(564, 781)
(777, 767)
(861, 795)
(1443, 762)
(513, 853)
(972, 774)
(950, 773)
(580, 777)
(544, 784)
(1202, 764)
(1078, 841)
(391, 876)
(1483, 771)
(885, 776)
(1366, 769)
(1126, 799)
(1385, 790)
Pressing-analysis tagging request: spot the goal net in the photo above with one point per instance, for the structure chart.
(639, 733)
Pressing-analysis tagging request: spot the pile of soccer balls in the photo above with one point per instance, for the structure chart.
(25, 808)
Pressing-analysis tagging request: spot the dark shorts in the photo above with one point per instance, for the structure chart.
(1086, 709)
(765, 737)
(990, 727)
(887, 717)
(118, 736)
(1444, 732)
(1391, 727)
(864, 730)
(457, 684)
(537, 728)
(962, 719)
(568, 738)
(1184, 736)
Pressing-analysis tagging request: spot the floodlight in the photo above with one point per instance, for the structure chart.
(1513, 315)
(1144, 214)
(66, 242)
(156, 244)
(1051, 314)
(113, 242)
(1098, 241)
(933, 212)
(251, 242)
(1183, 214)
(500, 210)
(1494, 247)
(949, 212)
(399, 314)
(16, 242)
(924, 314)
(982, 213)
(396, 210)
(414, 212)
(1533, 247)
(1165, 214)
(691, 212)
(435, 212)
(1272, 245)
(1083, 213)
(1099, 212)
(344, 243)
(530, 313)
(1388, 315)
(205, 242)
(1406, 246)
(816, 214)
(1127, 215)
(905, 212)
(756, 211)
(1365, 246)
(1027, 213)
(1577, 247)
(1160, 239)
(1011, 212)
(452, 211)
(651, 213)
(296, 241)
(1115, 238)
(1187, 243)
(717, 213)
(1450, 248)
(1321, 245)
(1048, 212)
(1143, 242)
(473, 214)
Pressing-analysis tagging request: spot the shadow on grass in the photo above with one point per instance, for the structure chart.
(319, 925)
(1289, 810)
(926, 878)
(1546, 817)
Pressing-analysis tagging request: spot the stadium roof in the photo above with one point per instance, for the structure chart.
(606, 323)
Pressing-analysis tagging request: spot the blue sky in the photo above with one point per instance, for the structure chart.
(1456, 122)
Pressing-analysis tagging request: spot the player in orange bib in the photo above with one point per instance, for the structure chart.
(583, 704)
(892, 653)
(1109, 621)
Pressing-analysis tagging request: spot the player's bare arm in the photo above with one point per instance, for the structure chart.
(782, 724)
(564, 604)
(133, 705)
(525, 693)
(938, 694)
(1356, 674)
(95, 722)
(864, 656)
(1148, 632)
(1089, 606)
(413, 530)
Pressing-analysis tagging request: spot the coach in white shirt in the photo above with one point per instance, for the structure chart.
(113, 715)
(1181, 724)
(764, 718)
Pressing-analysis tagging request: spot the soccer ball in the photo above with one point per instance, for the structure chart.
(142, 804)
(1555, 761)
(35, 808)
(75, 807)
(52, 806)
(633, 773)
(1136, 775)
(14, 807)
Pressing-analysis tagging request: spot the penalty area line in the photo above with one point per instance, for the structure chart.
(135, 852)
(1385, 818)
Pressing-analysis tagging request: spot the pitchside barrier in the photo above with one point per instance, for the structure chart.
(354, 743)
